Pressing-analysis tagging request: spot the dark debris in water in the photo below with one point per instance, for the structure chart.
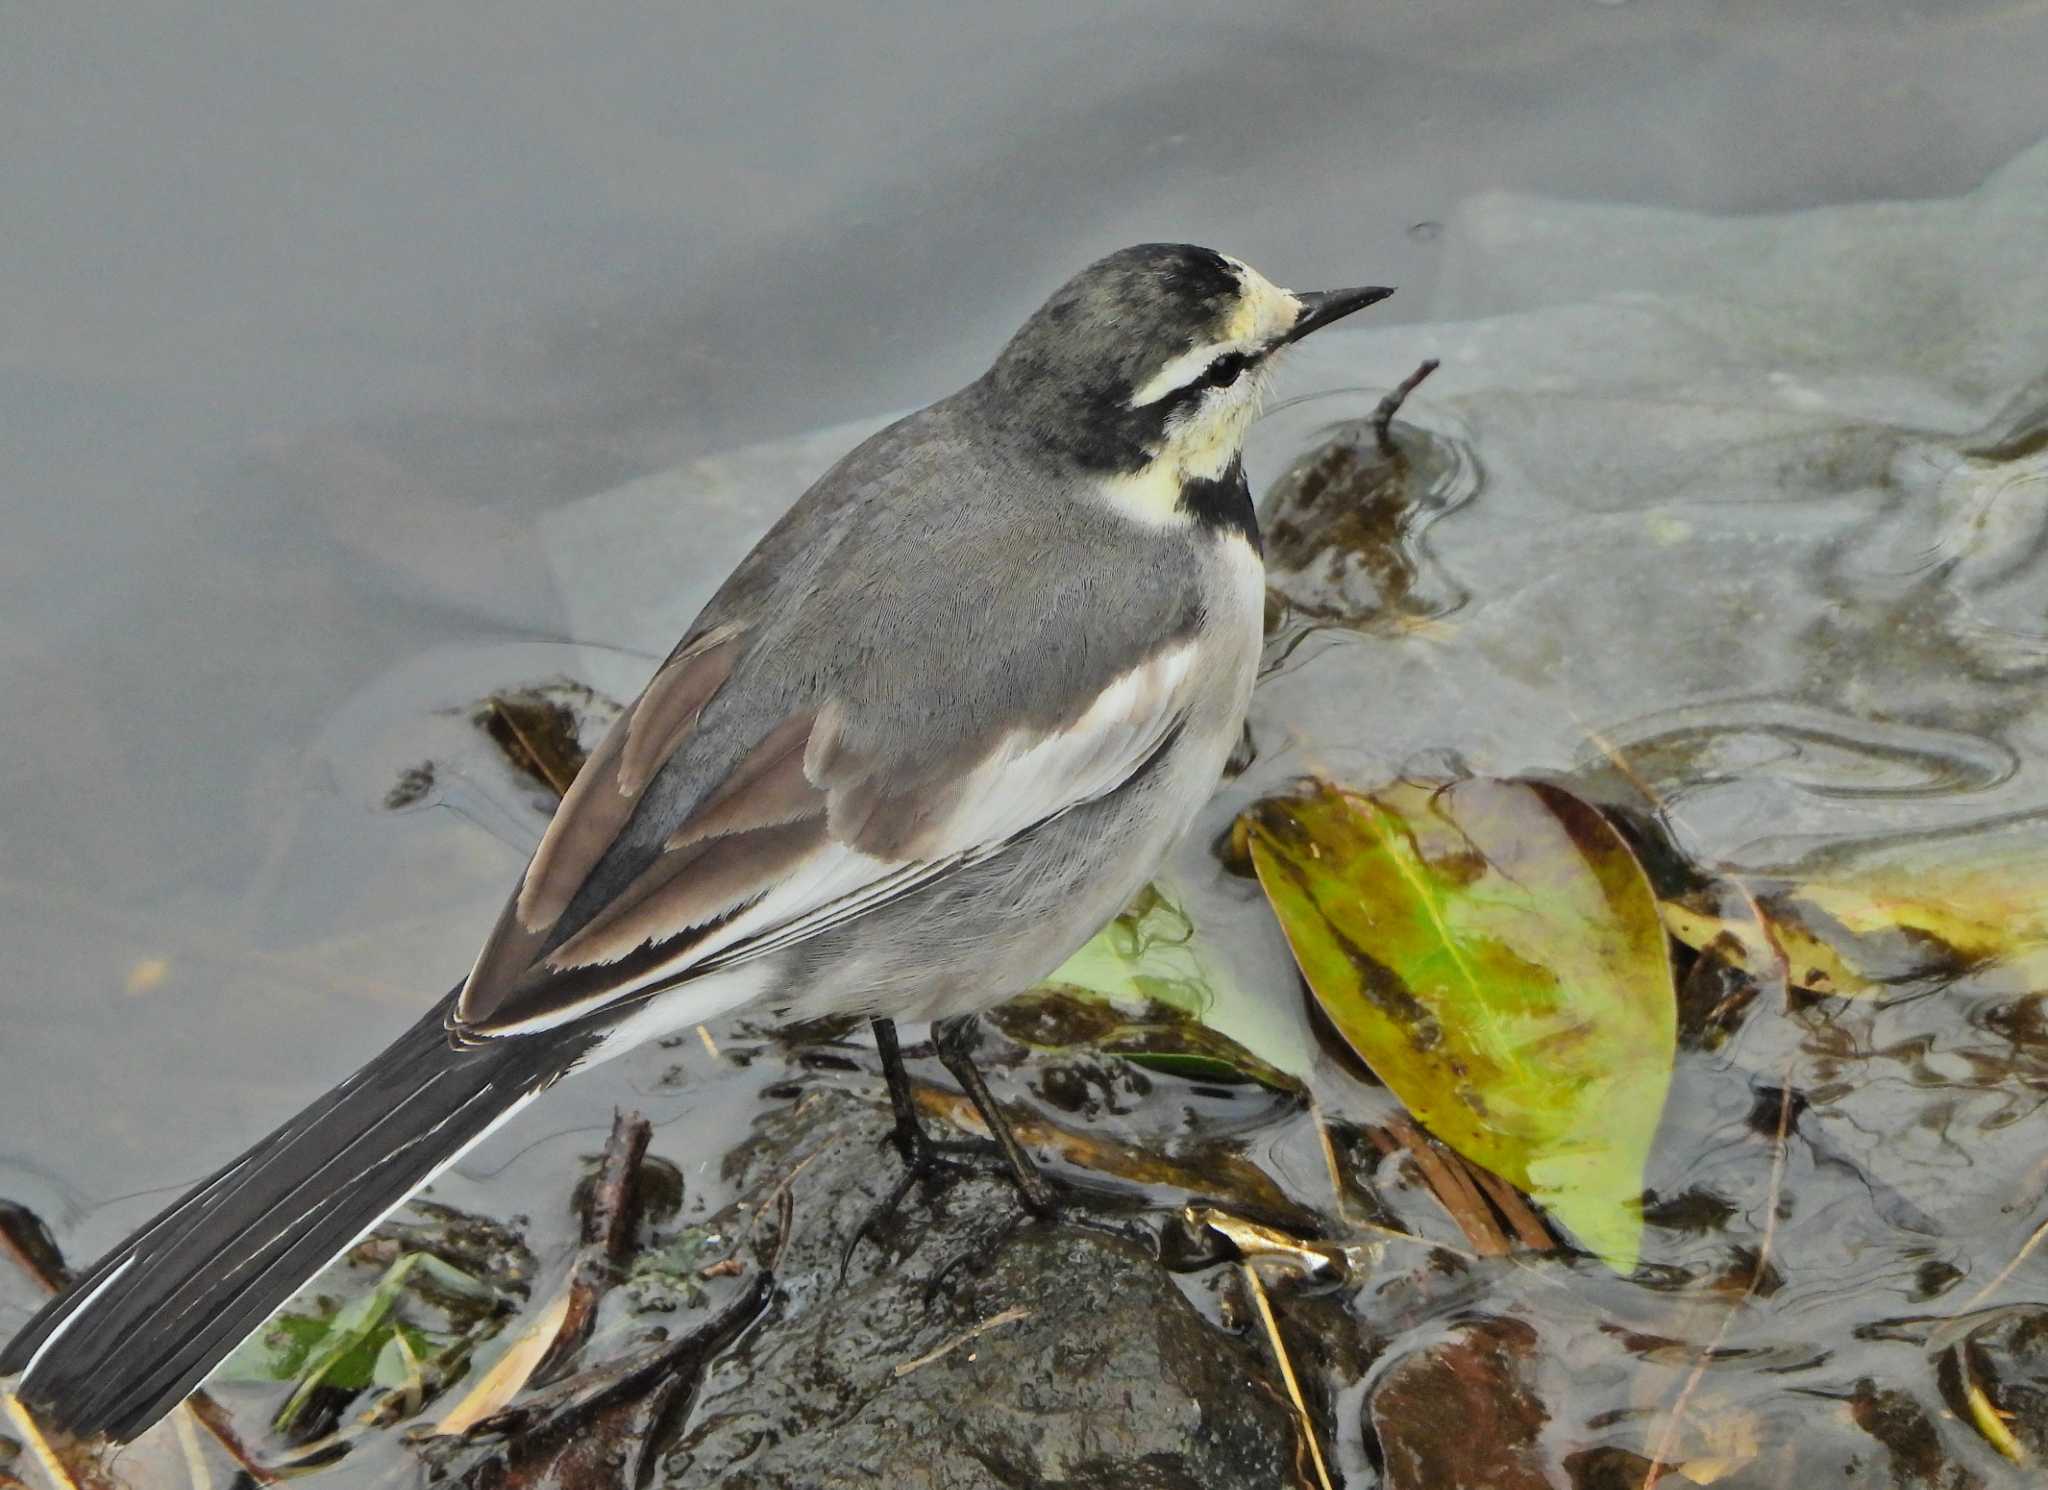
(539, 731)
(1343, 526)
(543, 731)
(411, 788)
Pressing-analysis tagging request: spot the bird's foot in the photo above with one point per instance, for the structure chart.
(929, 1162)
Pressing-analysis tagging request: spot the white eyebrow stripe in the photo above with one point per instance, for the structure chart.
(1183, 370)
(1264, 312)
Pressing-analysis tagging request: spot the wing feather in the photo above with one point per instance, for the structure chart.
(798, 836)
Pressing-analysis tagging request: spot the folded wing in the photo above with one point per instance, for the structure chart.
(694, 839)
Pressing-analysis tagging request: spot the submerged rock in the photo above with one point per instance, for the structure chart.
(1458, 1415)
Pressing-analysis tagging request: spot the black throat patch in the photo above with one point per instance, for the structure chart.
(1223, 503)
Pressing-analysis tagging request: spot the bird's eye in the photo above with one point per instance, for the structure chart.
(1224, 371)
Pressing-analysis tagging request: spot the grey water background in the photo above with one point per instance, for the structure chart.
(356, 361)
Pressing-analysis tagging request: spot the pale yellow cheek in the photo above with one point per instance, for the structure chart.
(1198, 449)
(1264, 311)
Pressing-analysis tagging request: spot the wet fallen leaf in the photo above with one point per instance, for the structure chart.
(501, 1383)
(1916, 912)
(1150, 963)
(1492, 950)
(1808, 961)
(1156, 1036)
(540, 729)
(347, 1348)
(1988, 1420)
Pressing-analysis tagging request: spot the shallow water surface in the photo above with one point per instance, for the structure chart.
(358, 366)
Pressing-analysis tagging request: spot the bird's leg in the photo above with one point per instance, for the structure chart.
(921, 1155)
(924, 1158)
(955, 1041)
(909, 1135)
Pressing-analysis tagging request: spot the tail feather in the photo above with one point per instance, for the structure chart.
(128, 1340)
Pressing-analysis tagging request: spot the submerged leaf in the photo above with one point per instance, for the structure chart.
(1921, 910)
(1156, 1036)
(277, 1352)
(1150, 964)
(1493, 951)
(353, 1348)
(1804, 958)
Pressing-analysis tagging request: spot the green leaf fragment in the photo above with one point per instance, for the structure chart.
(357, 1346)
(1492, 950)
(1182, 1010)
(277, 1352)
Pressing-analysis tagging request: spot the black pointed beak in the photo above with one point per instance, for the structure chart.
(1320, 307)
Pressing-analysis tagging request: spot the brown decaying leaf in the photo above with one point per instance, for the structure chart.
(538, 735)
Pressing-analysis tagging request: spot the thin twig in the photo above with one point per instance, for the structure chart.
(1383, 415)
(540, 761)
(188, 1442)
(785, 1227)
(1666, 1443)
(1984, 1414)
(778, 1197)
(1529, 1228)
(2005, 1273)
(214, 1418)
(1672, 1424)
(1336, 1170)
(1308, 1427)
(1454, 1191)
(972, 1332)
(609, 1218)
(46, 1455)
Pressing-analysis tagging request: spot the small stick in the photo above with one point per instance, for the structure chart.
(45, 1454)
(1011, 1315)
(1662, 1457)
(1383, 415)
(541, 766)
(1308, 1427)
(608, 1223)
(188, 1442)
(1529, 1227)
(214, 1418)
(2005, 1273)
(1454, 1190)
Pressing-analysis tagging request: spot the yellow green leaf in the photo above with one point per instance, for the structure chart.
(1807, 961)
(1492, 950)
(1904, 913)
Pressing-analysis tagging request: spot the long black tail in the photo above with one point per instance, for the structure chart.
(124, 1344)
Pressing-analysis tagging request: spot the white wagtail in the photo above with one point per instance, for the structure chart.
(934, 731)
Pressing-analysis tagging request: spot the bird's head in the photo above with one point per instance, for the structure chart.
(1145, 370)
